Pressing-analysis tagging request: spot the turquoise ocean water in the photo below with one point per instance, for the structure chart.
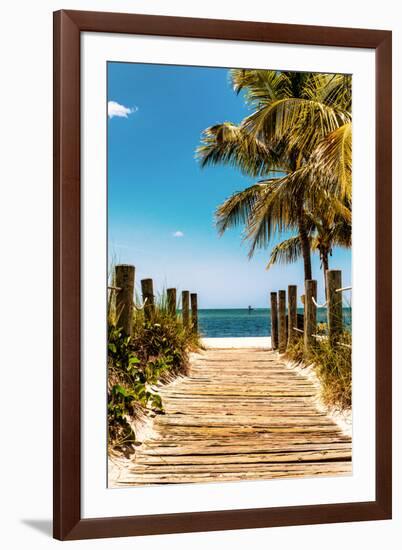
(215, 323)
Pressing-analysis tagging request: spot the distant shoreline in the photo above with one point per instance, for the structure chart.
(244, 323)
(255, 308)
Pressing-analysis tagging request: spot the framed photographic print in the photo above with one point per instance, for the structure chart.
(222, 321)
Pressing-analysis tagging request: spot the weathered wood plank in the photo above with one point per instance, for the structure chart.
(239, 415)
(237, 420)
(177, 469)
(241, 458)
(195, 450)
(281, 471)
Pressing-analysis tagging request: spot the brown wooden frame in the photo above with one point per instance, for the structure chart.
(68, 26)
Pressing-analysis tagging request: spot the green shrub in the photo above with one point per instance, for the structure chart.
(156, 351)
(163, 337)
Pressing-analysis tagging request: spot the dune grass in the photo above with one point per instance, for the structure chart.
(332, 365)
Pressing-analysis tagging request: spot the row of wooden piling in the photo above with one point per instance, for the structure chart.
(285, 325)
(187, 299)
(124, 289)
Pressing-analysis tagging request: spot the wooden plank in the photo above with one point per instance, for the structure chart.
(236, 420)
(239, 415)
(283, 470)
(257, 470)
(235, 448)
(242, 458)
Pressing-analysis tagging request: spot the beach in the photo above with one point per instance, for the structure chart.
(259, 342)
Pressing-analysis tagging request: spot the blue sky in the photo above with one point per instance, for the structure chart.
(161, 204)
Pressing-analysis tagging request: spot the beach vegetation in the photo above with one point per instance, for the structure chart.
(330, 360)
(156, 352)
(332, 365)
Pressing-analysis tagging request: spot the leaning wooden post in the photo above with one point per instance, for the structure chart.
(185, 304)
(194, 312)
(292, 314)
(335, 323)
(310, 313)
(124, 280)
(274, 320)
(282, 321)
(171, 301)
(148, 298)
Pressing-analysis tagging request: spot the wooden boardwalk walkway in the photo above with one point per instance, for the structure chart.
(240, 414)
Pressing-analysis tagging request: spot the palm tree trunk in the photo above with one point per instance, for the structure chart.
(325, 267)
(305, 245)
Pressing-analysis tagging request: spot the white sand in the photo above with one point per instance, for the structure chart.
(263, 342)
(342, 418)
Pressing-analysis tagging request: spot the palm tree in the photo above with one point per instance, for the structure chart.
(293, 112)
(322, 236)
(331, 164)
(233, 145)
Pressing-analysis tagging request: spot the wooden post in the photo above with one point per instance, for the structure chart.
(286, 327)
(274, 320)
(171, 301)
(335, 313)
(310, 313)
(185, 304)
(194, 312)
(292, 314)
(124, 275)
(282, 321)
(148, 298)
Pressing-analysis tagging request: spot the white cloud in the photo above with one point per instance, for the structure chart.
(115, 109)
(178, 234)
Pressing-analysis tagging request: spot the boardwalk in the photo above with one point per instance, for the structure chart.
(240, 414)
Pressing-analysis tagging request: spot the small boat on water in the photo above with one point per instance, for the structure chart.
(250, 309)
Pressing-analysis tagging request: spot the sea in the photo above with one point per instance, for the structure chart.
(221, 323)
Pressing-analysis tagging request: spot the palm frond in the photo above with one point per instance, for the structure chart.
(261, 86)
(331, 89)
(286, 252)
(341, 234)
(273, 211)
(231, 144)
(237, 209)
(301, 122)
(331, 161)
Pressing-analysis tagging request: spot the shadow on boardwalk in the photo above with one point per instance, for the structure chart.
(241, 414)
